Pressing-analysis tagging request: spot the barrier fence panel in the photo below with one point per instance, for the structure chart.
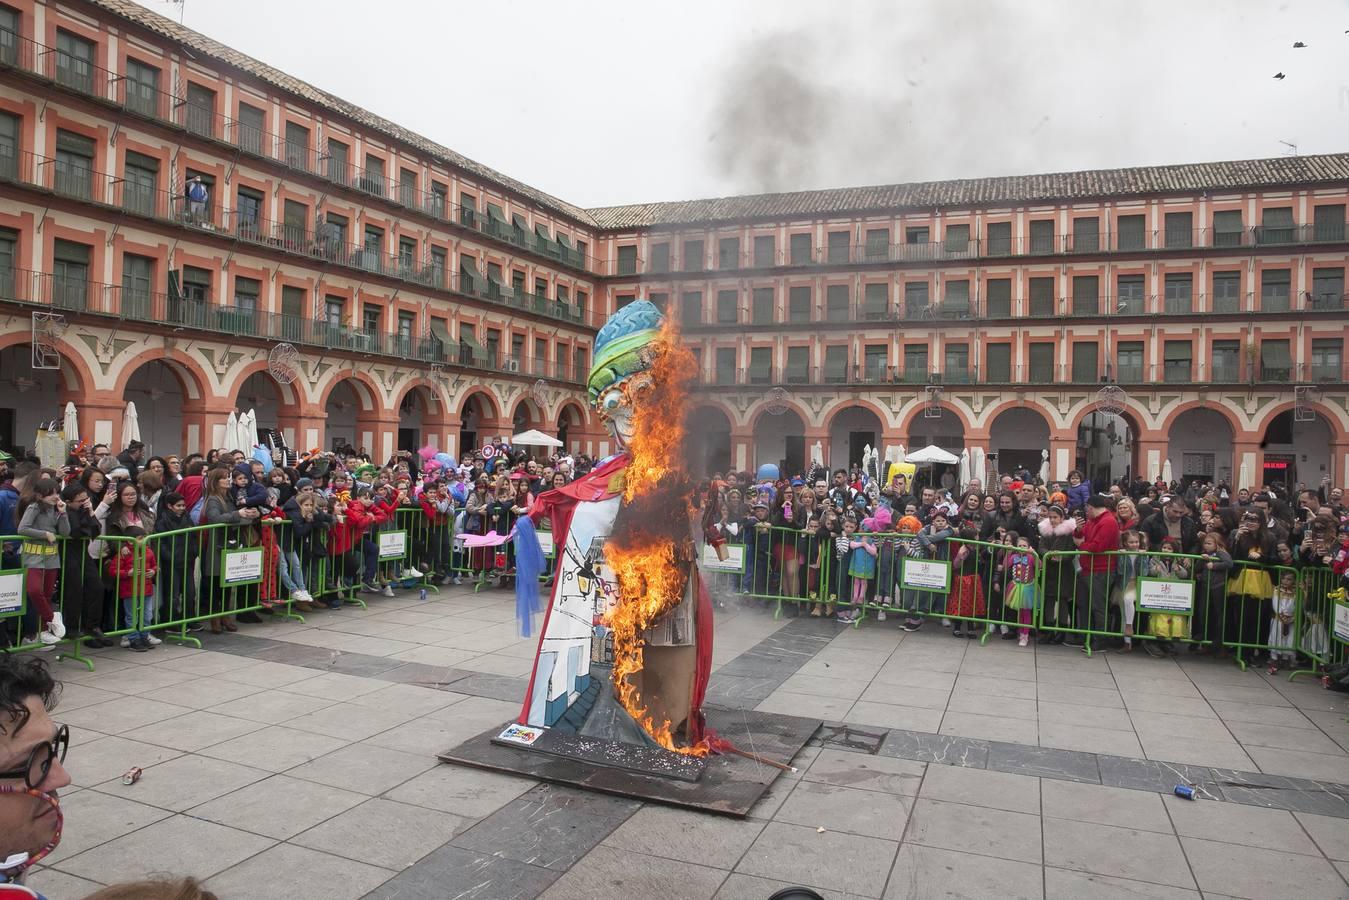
(779, 565)
(980, 588)
(1168, 599)
(1315, 629)
(1256, 592)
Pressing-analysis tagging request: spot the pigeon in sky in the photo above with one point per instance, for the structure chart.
(1280, 76)
(1298, 45)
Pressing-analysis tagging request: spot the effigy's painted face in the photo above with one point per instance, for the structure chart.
(617, 407)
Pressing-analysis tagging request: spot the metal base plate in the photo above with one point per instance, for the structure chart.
(730, 784)
(647, 760)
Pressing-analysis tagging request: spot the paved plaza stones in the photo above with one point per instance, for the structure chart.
(299, 760)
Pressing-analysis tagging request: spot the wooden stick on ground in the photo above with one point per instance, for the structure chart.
(757, 758)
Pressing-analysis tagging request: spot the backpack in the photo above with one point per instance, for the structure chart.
(198, 511)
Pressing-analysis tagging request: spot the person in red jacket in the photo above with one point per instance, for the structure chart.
(123, 568)
(1096, 539)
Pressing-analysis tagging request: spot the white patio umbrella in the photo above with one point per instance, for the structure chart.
(534, 438)
(1044, 466)
(1243, 476)
(979, 465)
(131, 426)
(248, 431)
(964, 474)
(71, 424)
(1166, 471)
(230, 439)
(932, 454)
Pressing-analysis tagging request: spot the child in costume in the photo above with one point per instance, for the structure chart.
(1211, 591)
(1283, 609)
(861, 569)
(966, 600)
(1129, 565)
(1165, 626)
(1020, 565)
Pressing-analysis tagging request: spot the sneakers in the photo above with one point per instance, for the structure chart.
(458, 579)
(911, 624)
(847, 617)
(388, 590)
(57, 626)
(1023, 640)
(335, 604)
(956, 632)
(368, 588)
(152, 640)
(302, 596)
(413, 572)
(880, 615)
(945, 623)
(138, 644)
(125, 642)
(46, 637)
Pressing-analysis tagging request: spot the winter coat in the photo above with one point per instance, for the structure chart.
(37, 522)
(122, 570)
(179, 550)
(217, 511)
(1078, 495)
(1100, 536)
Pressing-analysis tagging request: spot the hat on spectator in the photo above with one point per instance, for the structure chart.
(304, 483)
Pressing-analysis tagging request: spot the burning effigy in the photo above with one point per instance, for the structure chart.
(625, 647)
(614, 700)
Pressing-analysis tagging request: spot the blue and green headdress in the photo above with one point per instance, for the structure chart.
(623, 346)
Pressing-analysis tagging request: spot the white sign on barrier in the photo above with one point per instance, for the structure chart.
(12, 593)
(1342, 622)
(734, 561)
(1162, 595)
(546, 543)
(393, 545)
(242, 566)
(926, 575)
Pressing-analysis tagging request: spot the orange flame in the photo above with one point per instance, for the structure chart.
(653, 573)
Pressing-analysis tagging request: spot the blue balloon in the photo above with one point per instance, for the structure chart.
(767, 472)
(264, 456)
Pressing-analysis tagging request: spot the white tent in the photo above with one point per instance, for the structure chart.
(964, 476)
(932, 454)
(1044, 466)
(1243, 477)
(533, 438)
(71, 424)
(131, 426)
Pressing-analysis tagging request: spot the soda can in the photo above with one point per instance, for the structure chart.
(1185, 791)
(132, 775)
(421, 595)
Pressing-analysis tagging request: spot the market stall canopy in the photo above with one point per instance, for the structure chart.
(932, 454)
(533, 438)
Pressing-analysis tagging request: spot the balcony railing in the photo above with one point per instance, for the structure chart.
(974, 248)
(151, 101)
(72, 180)
(186, 311)
(959, 309)
(918, 373)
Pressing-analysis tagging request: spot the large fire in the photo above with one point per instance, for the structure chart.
(651, 557)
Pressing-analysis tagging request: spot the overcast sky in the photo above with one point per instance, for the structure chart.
(614, 101)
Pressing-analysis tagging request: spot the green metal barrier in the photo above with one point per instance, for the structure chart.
(1316, 621)
(1249, 625)
(1167, 598)
(980, 588)
(238, 572)
(780, 566)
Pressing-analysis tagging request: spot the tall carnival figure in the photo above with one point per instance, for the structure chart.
(626, 645)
